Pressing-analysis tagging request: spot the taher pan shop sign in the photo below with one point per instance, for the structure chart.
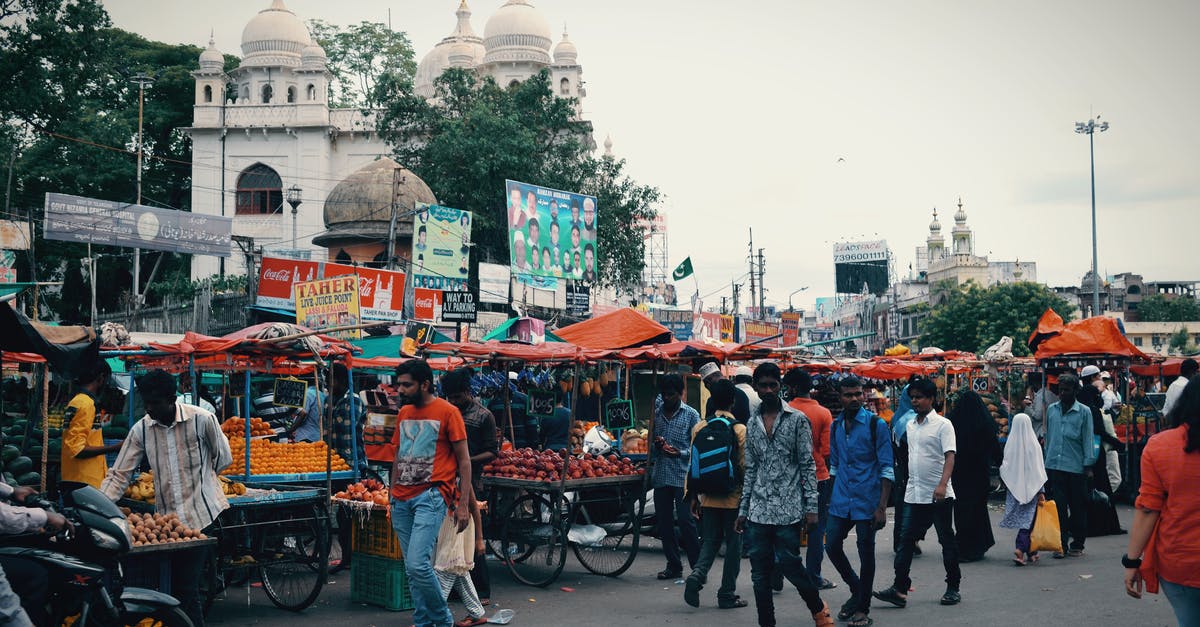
(94, 221)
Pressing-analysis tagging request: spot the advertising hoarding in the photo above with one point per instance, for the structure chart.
(579, 299)
(859, 264)
(381, 292)
(678, 321)
(327, 303)
(458, 307)
(441, 247)
(94, 221)
(427, 304)
(494, 282)
(14, 235)
(551, 233)
(789, 322)
(757, 332)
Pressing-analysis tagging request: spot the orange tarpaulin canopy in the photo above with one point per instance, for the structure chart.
(1093, 336)
(622, 328)
(890, 370)
(1049, 325)
(550, 351)
(1167, 368)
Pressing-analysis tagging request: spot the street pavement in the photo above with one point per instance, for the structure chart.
(1073, 591)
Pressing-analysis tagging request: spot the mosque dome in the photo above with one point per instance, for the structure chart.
(517, 32)
(276, 36)
(211, 59)
(935, 226)
(565, 52)
(448, 53)
(360, 206)
(313, 57)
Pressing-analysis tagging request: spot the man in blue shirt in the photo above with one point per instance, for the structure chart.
(669, 459)
(1069, 451)
(307, 426)
(860, 462)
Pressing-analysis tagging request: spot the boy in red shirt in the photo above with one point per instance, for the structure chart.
(431, 464)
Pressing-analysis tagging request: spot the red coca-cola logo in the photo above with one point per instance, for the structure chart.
(277, 275)
(426, 302)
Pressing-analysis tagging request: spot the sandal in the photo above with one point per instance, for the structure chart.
(848, 609)
(822, 618)
(1019, 560)
(471, 622)
(865, 621)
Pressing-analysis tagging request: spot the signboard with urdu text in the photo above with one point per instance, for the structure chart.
(94, 221)
(441, 247)
(328, 303)
(551, 233)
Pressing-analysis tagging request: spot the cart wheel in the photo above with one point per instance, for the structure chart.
(534, 540)
(615, 553)
(298, 551)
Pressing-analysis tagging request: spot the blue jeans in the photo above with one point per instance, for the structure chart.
(778, 546)
(816, 535)
(1184, 600)
(860, 583)
(417, 522)
(671, 509)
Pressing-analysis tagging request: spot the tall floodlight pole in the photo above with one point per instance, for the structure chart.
(1089, 128)
(143, 81)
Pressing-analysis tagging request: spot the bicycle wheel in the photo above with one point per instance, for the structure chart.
(296, 561)
(614, 554)
(533, 540)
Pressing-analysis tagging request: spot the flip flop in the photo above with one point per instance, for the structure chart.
(848, 609)
(866, 621)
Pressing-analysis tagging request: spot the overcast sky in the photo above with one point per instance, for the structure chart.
(740, 111)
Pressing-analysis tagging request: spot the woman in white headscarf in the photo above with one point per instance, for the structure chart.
(1024, 475)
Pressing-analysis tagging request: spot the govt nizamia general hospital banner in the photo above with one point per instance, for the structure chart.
(441, 247)
(551, 233)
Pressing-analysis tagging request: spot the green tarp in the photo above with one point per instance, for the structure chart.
(389, 345)
(501, 332)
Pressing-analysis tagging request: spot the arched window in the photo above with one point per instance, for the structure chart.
(564, 87)
(208, 93)
(245, 94)
(312, 92)
(343, 257)
(291, 94)
(1133, 290)
(259, 191)
(267, 92)
(513, 83)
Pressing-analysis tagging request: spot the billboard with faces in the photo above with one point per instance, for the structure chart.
(551, 233)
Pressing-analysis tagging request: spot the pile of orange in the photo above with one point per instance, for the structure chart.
(236, 427)
(279, 458)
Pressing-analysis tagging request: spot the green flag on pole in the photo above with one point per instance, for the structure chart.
(683, 270)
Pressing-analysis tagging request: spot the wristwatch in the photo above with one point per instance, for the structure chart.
(1131, 563)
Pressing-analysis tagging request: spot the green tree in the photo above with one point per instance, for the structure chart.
(360, 57)
(475, 134)
(973, 317)
(1160, 308)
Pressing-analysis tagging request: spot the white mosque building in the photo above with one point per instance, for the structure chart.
(266, 127)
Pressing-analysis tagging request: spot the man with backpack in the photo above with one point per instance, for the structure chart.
(860, 462)
(714, 491)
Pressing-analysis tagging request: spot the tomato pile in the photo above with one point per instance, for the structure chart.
(367, 491)
(547, 466)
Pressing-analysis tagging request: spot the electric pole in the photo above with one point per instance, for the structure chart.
(762, 286)
(737, 290)
(142, 80)
(724, 309)
(752, 273)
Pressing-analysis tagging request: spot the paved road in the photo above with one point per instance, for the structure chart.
(1082, 591)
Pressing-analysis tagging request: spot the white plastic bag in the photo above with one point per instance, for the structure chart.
(586, 535)
(455, 551)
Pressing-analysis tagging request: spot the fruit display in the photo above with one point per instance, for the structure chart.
(142, 489)
(634, 441)
(160, 529)
(236, 427)
(376, 435)
(579, 429)
(232, 488)
(278, 458)
(366, 491)
(534, 465)
(17, 468)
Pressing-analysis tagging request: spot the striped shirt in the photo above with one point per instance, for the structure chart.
(185, 458)
(676, 429)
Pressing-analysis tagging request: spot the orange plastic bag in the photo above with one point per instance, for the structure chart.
(1046, 534)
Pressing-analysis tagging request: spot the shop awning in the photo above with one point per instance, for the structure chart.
(1092, 336)
(623, 328)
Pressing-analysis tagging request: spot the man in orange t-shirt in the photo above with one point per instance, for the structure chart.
(431, 474)
(800, 384)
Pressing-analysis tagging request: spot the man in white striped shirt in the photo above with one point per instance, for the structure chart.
(186, 449)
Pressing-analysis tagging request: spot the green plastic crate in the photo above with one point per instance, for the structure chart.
(379, 581)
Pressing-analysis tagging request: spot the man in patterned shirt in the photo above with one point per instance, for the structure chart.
(347, 443)
(670, 457)
(779, 496)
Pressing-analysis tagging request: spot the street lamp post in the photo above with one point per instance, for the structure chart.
(790, 308)
(142, 80)
(293, 199)
(1089, 128)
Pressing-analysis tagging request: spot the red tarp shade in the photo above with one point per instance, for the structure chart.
(1093, 336)
(1168, 368)
(892, 370)
(622, 328)
(1049, 325)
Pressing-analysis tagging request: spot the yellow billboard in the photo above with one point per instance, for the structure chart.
(329, 303)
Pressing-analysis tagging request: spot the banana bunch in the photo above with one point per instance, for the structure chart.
(232, 488)
(142, 489)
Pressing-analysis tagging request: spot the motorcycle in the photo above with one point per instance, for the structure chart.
(84, 572)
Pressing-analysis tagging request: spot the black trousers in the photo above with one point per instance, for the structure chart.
(29, 582)
(1071, 492)
(918, 517)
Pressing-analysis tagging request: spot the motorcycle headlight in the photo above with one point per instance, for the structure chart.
(105, 541)
(124, 525)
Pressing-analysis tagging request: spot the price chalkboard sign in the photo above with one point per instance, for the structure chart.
(981, 385)
(541, 403)
(290, 392)
(618, 415)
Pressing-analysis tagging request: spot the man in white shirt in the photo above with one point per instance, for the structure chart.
(743, 379)
(1187, 370)
(929, 497)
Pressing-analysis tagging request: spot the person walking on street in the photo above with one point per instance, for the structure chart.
(431, 478)
(710, 373)
(860, 461)
(670, 457)
(800, 383)
(743, 380)
(1167, 513)
(718, 512)
(1187, 369)
(978, 447)
(1069, 451)
(1024, 475)
(929, 497)
(778, 496)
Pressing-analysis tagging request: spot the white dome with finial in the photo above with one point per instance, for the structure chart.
(935, 227)
(517, 32)
(276, 36)
(439, 59)
(313, 57)
(608, 144)
(565, 52)
(960, 218)
(211, 59)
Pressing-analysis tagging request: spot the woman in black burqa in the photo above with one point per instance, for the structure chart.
(1102, 511)
(978, 448)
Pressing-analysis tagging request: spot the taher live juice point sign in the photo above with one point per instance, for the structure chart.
(327, 303)
(551, 233)
(441, 247)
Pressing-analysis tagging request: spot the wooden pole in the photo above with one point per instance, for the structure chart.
(512, 431)
(574, 406)
(46, 421)
(348, 327)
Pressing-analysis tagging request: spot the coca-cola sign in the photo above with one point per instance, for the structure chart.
(427, 304)
(380, 292)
